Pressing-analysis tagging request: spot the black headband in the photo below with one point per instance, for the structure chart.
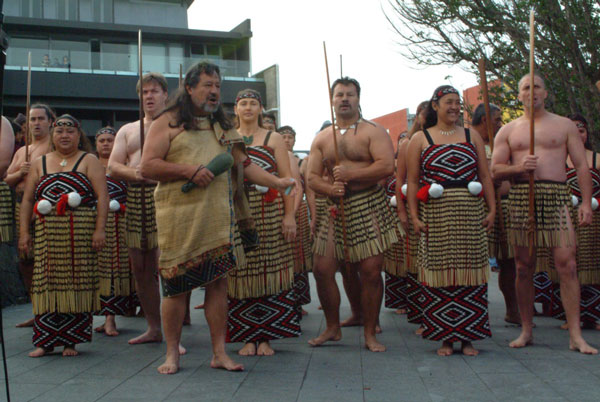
(66, 120)
(445, 90)
(248, 95)
(106, 130)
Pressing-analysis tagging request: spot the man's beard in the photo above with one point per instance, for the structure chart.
(207, 108)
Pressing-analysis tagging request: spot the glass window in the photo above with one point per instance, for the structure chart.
(197, 49)
(117, 56)
(213, 51)
(176, 58)
(154, 57)
(19, 49)
(102, 10)
(228, 52)
(50, 8)
(67, 10)
(70, 54)
(31, 8)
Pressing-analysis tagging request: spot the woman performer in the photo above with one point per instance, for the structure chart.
(414, 299)
(266, 283)
(302, 245)
(588, 253)
(451, 224)
(69, 189)
(7, 144)
(116, 281)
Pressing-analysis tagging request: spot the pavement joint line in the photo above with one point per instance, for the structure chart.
(312, 350)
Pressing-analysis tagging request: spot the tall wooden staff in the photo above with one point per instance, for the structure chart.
(490, 134)
(144, 237)
(337, 160)
(28, 107)
(531, 221)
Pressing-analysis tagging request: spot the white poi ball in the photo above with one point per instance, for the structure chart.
(475, 187)
(261, 189)
(74, 199)
(114, 206)
(44, 207)
(436, 190)
(574, 200)
(404, 189)
(594, 204)
(393, 201)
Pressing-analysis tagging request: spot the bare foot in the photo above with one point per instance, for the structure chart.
(320, 307)
(512, 319)
(582, 347)
(329, 335)
(249, 349)
(522, 341)
(199, 306)
(374, 346)
(264, 349)
(400, 311)
(146, 337)
(353, 321)
(304, 312)
(182, 350)
(468, 349)
(187, 321)
(419, 331)
(39, 352)
(25, 324)
(597, 327)
(446, 349)
(110, 326)
(378, 329)
(99, 329)
(70, 351)
(224, 362)
(171, 364)
(565, 325)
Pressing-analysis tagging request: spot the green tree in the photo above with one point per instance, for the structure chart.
(567, 34)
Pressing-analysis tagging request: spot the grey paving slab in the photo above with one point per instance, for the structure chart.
(109, 369)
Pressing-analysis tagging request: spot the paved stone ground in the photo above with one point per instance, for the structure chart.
(109, 369)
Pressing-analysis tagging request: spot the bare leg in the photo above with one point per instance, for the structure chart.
(145, 266)
(215, 310)
(371, 296)
(173, 311)
(110, 326)
(324, 269)
(26, 270)
(506, 282)
(564, 259)
(352, 287)
(525, 266)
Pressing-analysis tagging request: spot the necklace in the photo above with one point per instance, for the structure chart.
(248, 139)
(63, 163)
(447, 133)
(345, 130)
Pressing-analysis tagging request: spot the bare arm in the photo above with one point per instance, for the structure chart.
(412, 179)
(310, 194)
(17, 170)
(486, 180)
(315, 171)
(576, 152)
(295, 171)
(502, 168)
(7, 146)
(27, 206)
(258, 175)
(117, 163)
(400, 180)
(98, 179)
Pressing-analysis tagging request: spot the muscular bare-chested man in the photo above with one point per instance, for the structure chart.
(366, 156)
(124, 165)
(7, 145)
(41, 118)
(556, 138)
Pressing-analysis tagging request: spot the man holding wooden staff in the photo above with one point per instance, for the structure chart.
(366, 156)
(556, 138)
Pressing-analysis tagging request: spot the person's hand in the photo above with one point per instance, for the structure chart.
(584, 215)
(203, 177)
(98, 239)
(284, 183)
(403, 218)
(341, 173)
(419, 227)
(488, 222)
(289, 227)
(25, 243)
(338, 189)
(141, 179)
(529, 163)
(24, 169)
(313, 226)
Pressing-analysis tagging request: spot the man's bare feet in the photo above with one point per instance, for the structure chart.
(224, 362)
(304, 312)
(70, 351)
(373, 345)
(419, 331)
(110, 326)
(522, 341)
(582, 347)
(265, 349)
(446, 349)
(353, 321)
(249, 349)
(400, 311)
(565, 325)
(182, 350)
(328, 335)
(199, 306)
(99, 329)
(468, 349)
(146, 337)
(512, 319)
(171, 364)
(25, 324)
(320, 307)
(39, 352)
(378, 329)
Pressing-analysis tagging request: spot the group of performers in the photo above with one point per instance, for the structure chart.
(224, 204)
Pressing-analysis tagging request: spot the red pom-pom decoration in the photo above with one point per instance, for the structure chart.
(61, 205)
(423, 193)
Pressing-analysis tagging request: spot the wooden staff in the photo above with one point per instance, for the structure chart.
(28, 105)
(490, 134)
(180, 75)
(531, 221)
(144, 238)
(337, 160)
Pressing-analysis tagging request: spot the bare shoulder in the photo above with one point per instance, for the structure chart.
(561, 120)
(322, 136)
(129, 129)
(375, 129)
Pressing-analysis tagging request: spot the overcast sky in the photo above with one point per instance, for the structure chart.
(291, 34)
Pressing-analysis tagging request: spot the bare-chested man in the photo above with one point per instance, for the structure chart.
(366, 156)
(7, 145)
(556, 137)
(124, 165)
(41, 118)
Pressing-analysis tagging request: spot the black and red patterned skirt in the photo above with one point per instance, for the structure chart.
(395, 291)
(61, 329)
(414, 299)
(302, 288)
(589, 304)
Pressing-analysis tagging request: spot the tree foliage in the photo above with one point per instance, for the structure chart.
(567, 34)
